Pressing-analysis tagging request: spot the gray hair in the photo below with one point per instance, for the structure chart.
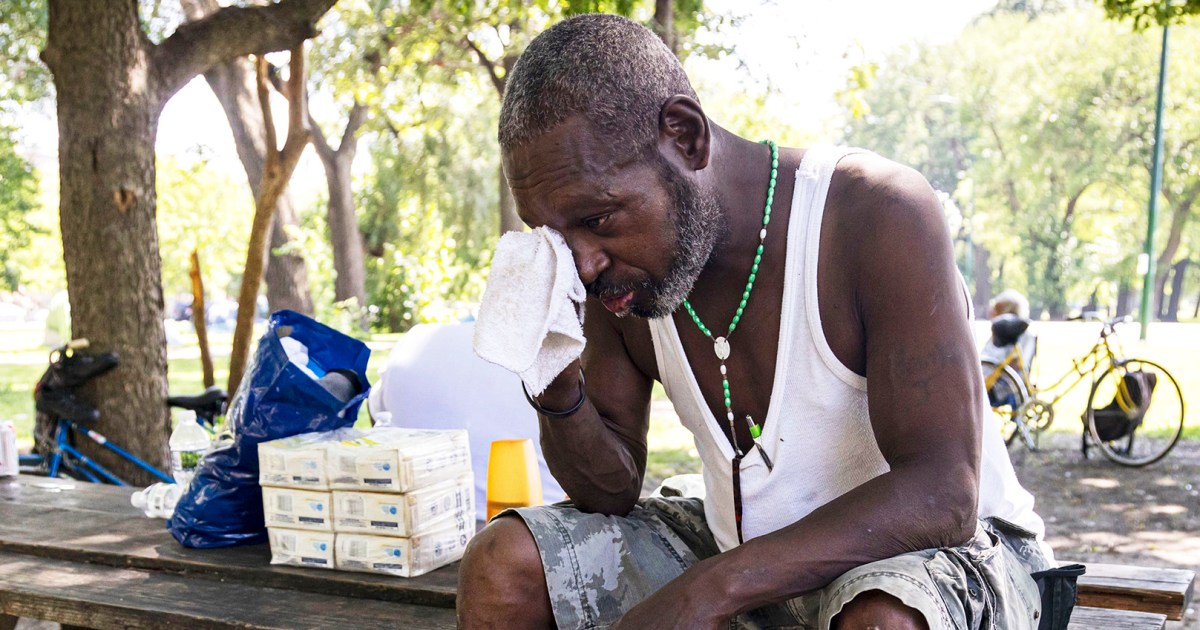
(1010, 301)
(615, 72)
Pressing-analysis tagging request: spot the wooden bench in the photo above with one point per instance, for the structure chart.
(1144, 589)
(79, 554)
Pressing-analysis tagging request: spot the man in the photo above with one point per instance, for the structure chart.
(765, 290)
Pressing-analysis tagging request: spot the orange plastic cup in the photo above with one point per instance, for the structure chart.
(513, 477)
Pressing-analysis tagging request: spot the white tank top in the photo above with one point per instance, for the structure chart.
(816, 459)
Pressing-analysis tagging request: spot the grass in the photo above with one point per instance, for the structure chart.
(1176, 346)
(24, 358)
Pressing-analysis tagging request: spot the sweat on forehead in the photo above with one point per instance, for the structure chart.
(613, 71)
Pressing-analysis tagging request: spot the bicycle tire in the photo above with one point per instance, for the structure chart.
(1160, 427)
(1005, 413)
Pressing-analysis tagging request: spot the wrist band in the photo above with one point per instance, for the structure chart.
(558, 414)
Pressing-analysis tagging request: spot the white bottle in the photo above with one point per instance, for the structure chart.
(189, 441)
(9, 460)
(157, 500)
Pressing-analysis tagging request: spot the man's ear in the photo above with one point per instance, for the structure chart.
(684, 134)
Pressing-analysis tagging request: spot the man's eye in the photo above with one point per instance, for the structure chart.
(597, 221)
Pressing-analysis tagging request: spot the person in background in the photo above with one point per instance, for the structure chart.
(434, 380)
(1010, 306)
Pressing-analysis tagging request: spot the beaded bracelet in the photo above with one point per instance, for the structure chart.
(558, 414)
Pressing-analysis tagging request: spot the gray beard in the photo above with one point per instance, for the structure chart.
(698, 224)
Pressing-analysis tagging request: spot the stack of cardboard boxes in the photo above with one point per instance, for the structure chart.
(384, 500)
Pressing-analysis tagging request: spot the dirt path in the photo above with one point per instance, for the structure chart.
(1100, 512)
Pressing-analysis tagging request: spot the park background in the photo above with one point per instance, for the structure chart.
(1034, 121)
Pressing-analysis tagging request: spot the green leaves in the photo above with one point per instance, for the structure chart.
(1147, 13)
(1040, 128)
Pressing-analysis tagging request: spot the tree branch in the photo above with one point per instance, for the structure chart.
(232, 32)
(324, 151)
(264, 103)
(488, 65)
(358, 116)
(298, 133)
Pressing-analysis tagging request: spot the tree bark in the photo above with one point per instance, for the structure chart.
(111, 82)
(344, 236)
(107, 120)
(232, 82)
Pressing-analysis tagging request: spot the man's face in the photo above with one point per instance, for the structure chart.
(640, 231)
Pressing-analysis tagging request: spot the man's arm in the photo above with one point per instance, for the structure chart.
(923, 397)
(598, 454)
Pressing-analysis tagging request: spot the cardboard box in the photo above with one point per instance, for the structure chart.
(408, 514)
(302, 548)
(404, 557)
(388, 459)
(298, 509)
(299, 461)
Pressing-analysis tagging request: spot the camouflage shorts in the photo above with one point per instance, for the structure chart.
(597, 567)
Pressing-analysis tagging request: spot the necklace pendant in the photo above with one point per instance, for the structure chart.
(721, 347)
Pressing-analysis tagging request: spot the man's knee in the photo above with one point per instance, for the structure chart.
(877, 609)
(505, 546)
(501, 575)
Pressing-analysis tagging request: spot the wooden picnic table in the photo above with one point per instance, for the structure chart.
(80, 554)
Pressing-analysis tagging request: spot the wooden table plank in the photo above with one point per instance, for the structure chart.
(1145, 589)
(104, 597)
(89, 523)
(1085, 618)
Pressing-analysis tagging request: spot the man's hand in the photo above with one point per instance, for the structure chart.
(685, 603)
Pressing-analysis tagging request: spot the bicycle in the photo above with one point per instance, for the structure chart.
(1135, 409)
(60, 416)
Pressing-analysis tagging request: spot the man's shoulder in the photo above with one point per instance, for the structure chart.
(870, 184)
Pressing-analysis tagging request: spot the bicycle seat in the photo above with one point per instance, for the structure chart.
(213, 398)
(1007, 329)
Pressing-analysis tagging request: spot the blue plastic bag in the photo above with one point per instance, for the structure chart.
(223, 504)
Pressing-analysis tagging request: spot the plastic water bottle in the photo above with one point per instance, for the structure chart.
(158, 500)
(9, 460)
(189, 441)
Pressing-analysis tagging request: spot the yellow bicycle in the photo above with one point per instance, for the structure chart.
(1135, 410)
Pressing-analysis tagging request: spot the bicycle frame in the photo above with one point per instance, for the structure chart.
(1098, 359)
(87, 467)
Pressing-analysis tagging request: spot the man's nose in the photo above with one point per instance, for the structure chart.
(590, 260)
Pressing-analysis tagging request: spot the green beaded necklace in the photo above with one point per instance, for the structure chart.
(721, 344)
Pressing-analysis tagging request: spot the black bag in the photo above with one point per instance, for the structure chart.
(1116, 420)
(1058, 589)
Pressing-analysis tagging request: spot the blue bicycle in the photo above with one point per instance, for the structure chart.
(61, 416)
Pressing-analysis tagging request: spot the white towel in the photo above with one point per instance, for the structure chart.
(531, 319)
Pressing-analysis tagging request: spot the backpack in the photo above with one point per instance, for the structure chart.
(1120, 417)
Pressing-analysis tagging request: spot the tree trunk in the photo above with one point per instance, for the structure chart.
(107, 120)
(344, 234)
(1124, 299)
(983, 280)
(277, 170)
(285, 275)
(232, 83)
(664, 23)
(1179, 219)
(111, 83)
(346, 239)
(1178, 274)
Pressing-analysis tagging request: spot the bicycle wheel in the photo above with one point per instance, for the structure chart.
(1148, 431)
(1006, 395)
